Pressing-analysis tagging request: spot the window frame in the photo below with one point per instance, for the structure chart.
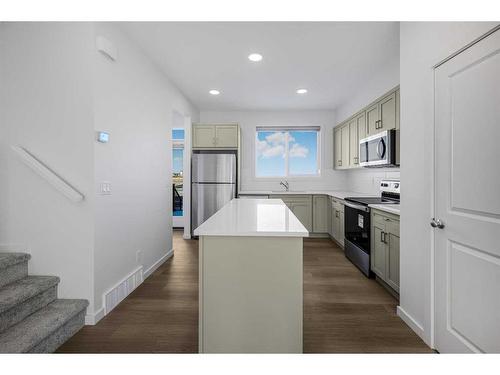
(287, 129)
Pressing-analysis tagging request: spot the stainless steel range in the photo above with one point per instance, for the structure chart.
(357, 240)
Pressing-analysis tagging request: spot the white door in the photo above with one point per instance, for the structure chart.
(467, 200)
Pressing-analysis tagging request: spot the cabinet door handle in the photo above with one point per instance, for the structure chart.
(385, 240)
(382, 235)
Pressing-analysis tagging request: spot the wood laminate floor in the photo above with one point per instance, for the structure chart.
(344, 312)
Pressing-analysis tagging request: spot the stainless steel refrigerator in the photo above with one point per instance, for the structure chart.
(213, 183)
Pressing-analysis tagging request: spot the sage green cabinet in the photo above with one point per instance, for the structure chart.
(301, 206)
(345, 146)
(226, 136)
(320, 214)
(388, 113)
(337, 229)
(379, 251)
(329, 207)
(392, 241)
(203, 136)
(385, 247)
(337, 148)
(215, 136)
(372, 118)
(353, 143)
(341, 146)
(357, 131)
(362, 130)
(381, 115)
(384, 114)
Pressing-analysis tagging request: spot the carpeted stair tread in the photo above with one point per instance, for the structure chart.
(22, 290)
(30, 332)
(10, 259)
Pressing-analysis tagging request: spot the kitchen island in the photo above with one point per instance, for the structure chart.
(250, 279)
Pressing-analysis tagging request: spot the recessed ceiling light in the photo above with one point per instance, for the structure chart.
(214, 92)
(255, 57)
(301, 91)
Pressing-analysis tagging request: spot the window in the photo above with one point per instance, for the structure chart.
(287, 151)
(177, 171)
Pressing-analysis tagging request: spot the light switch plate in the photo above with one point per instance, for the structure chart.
(105, 188)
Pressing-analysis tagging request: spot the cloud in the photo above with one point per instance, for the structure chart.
(267, 150)
(274, 145)
(298, 151)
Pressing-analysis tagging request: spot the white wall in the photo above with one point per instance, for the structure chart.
(248, 121)
(56, 92)
(46, 106)
(135, 102)
(423, 44)
(382, 81)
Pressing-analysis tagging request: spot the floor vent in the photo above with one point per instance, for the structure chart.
(118, 293)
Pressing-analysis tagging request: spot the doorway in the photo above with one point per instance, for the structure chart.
(467, 207)
(178, 178)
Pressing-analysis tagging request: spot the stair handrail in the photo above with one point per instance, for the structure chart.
(48, 174)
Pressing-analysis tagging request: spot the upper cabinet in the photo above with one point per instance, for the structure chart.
(215, 136)
(341, 147)
(387, 113)
(337, 148)
(372, 118)
(383, 114)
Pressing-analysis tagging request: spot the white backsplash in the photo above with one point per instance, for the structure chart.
(367, 180)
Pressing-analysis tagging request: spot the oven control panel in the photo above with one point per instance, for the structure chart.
(390, 186)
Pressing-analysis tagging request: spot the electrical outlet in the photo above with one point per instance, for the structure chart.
(138, 256)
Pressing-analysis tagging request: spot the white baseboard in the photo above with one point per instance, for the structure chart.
(412, 323)
(158, 263)
(92, 319)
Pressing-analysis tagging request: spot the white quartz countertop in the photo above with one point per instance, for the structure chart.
(391, 208)
(253, 217)
(331, 193)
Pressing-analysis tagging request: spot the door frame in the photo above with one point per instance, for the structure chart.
(433, 182)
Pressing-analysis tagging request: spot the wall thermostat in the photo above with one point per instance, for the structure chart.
(103, 137)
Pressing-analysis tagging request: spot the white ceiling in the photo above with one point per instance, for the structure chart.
(331, 59)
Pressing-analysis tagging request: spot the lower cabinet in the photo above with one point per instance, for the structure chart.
(301, 206)
(385, 247)
(315, 213)
(337, 221)
(320, 214)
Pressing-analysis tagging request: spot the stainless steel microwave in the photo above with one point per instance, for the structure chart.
(378, 150)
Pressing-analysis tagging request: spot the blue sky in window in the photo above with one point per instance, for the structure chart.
(303, 153)
(178, 134)
(270, 148)
(270, 153)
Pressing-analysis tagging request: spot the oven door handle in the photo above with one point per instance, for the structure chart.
(357, 206)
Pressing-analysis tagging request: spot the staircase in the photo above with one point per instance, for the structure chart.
(32, 318)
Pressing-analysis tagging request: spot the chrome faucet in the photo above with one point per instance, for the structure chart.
(285, 184)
